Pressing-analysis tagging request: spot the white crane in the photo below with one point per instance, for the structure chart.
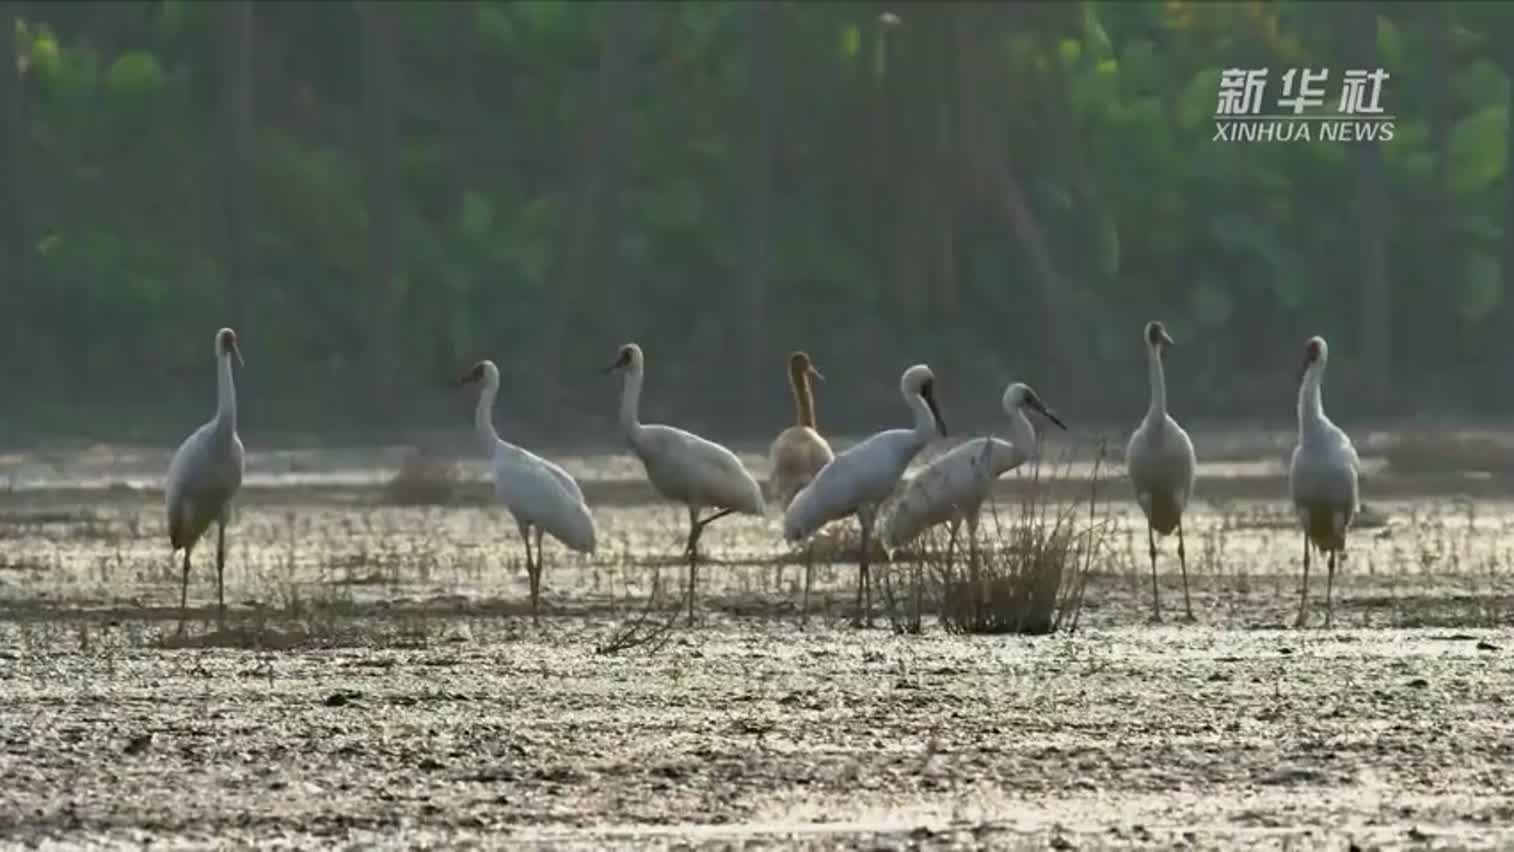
(799, 452)
(541, 496)
(1322, 476)
(204, 475)
(1162, 467)
(952, 488)
(683, 466)
(857, 481)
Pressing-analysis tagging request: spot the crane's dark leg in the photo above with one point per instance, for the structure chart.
(1156, 598)
(1329, 587)
(809, 568)
(974, 557)
(221, 574)
(864, 578)
(696, 528)
(951, 543)
(1183, 564)
(184, 593)
(1303, 597)
(536, 590)
(525, 538)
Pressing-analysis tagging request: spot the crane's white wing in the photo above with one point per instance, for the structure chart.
(685, 467)
(531, 488)
(863, 476)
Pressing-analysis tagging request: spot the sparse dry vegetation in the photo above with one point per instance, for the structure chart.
(1029, 574)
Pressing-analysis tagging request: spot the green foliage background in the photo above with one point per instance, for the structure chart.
(569, 175)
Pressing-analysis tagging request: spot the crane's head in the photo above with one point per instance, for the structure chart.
(629, 355)
(1315, 352)
(1156, 337)
(1019, 395)
(801, 366)
(226, 345)
(476, 373)
(920, 381)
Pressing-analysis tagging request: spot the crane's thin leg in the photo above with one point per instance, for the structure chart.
(974, 558)
(1183, 564)
(809, 568)
(1156, 598)
(535, 605)
(951, 543)
(696, 528)
(863, 575)
(221, 574)
(692, 551)
(525, 539)
(1303, 597)
(184, 594)
(1329, 586)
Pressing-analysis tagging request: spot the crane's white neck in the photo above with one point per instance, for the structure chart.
(925, 421)
(1021, 433)
(1311, 409)
(483, 415)
(630, 401)
(226, 395)
(1158, 379)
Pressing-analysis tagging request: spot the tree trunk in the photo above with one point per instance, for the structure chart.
(1376, 296)
(761, 24)
(15, 248)
(596, 148)
(984, 148)
(237, 95)
(378, 101)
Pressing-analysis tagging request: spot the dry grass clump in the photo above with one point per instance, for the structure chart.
(1029, 576)
(424, 479)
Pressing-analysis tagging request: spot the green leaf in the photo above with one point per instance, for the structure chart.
(1069, 51)
(133, 73)
(477, 215)
(1093, 31)
(1477, 150)
(1481, 286)
(851, 42)
(1199, 99)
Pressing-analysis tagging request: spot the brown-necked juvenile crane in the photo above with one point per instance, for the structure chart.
(1160, 462)
(683, 466)
(204, 476)
(799, 451)
(539, 495)
(1322, 476)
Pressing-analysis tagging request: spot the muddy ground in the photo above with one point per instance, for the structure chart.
(380, 683)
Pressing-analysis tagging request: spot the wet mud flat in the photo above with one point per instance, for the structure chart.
(380, 684)
(741, 734)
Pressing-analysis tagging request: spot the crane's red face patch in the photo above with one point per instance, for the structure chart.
(1312, 350)
(227, 342)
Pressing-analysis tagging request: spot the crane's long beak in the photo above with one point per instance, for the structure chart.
(816, 374)
(1037, 404)
(929, 394)
(610, 369)
(237, 351)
